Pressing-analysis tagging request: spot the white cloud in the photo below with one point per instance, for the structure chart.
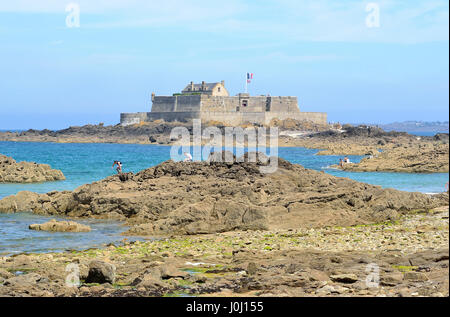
(153, 7)
(135, 13)
(409, 21)
(344, 21)
(58, 6)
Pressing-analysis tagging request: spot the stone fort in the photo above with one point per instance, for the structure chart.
(212, 102)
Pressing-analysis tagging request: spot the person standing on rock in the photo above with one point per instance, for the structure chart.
(188, 157)
(119, 166)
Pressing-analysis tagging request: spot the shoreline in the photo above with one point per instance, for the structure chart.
(412, 254)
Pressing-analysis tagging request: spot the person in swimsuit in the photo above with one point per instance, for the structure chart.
(119, 166)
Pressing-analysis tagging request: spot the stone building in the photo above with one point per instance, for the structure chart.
(212, 102)
(210, 89)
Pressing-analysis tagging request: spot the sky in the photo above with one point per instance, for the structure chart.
(359, 61)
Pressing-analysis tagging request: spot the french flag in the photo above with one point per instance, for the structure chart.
(249, 77)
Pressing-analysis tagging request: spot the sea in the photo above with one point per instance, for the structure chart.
(86, 163)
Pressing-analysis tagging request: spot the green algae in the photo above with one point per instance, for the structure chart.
(404, 268)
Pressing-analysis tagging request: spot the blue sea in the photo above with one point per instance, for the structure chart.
(86, 163)
(17, 238)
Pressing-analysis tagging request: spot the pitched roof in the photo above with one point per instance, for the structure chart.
(197, 87)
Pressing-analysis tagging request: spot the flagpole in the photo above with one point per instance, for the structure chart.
(246, 83)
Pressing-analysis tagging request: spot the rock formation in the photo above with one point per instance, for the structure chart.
(26, 172)
(332, 140)
(424, 158)
(60, 226)
(202, 197)
(101, 272)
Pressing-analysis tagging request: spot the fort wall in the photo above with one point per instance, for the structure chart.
(176, 103)
(173, 116)
(133, 118)
(205, 103)
(229, 118)
(283, 104)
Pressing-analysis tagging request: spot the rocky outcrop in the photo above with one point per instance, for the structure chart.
(359, 140)
(23, 201)
(26, 280)
(442, 137)
(292, 124)
(101, 272)
(201, 197)
(364, 131)
(26, 172)
(152, 132)
(60, 226)
(425, 158)
(349, 149)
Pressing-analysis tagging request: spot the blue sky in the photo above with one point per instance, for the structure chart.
(322, 51)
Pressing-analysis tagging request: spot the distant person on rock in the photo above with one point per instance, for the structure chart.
(188, 157)
(119, 166)
(341, 163)
(346, 160)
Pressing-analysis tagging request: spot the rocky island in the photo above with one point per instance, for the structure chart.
(422, 158)
(26, 172)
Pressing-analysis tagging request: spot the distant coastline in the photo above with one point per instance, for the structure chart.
(421, 128)
(12, 130)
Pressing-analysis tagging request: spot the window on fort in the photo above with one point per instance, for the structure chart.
(244, 103)
(218, 89)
